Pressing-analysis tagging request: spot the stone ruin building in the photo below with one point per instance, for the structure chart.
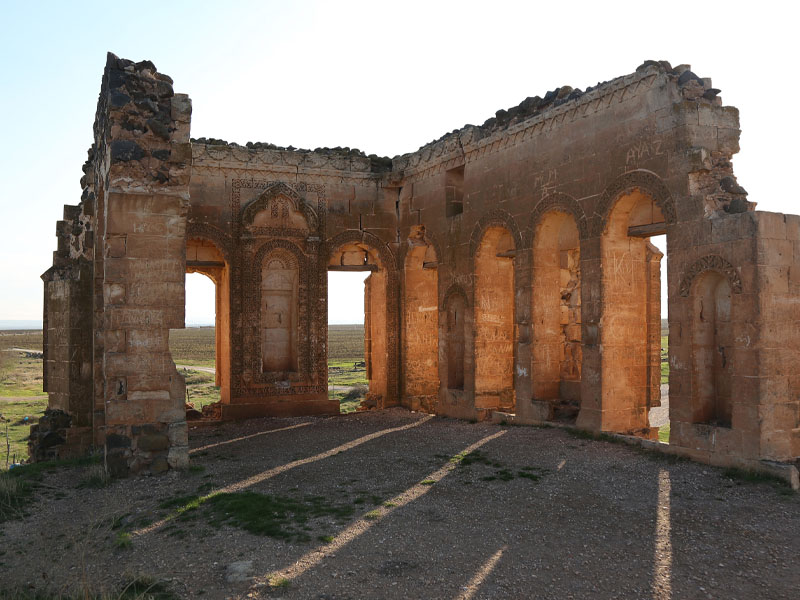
(511, 274)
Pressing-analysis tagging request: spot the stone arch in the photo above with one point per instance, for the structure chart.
(561, 203)
(430, 239)
(299, 260)
(273, 191)
(212, 234)
(454, 290)
(645, 181)
(365, 237)
(494, 218)
(392, 294)
(711, 262)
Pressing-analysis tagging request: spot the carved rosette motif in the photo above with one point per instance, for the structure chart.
(561, 203)
(711, 262)
(645, 181)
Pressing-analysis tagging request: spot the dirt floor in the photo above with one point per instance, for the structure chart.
(401, 505)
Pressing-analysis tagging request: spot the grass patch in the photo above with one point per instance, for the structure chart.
(146, 588)
(200, 388)
(35, 472)
(96, 477)
(20, 375)
(372, 515)
(274, 516)
(428, 481)
(663, 433)
(750, 476)
(16, 417)
(597, 437)
(15, 494)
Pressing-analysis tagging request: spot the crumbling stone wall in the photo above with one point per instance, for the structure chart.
(510, 269)
(126, 265)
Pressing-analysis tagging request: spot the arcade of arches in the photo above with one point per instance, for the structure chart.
(511, 274)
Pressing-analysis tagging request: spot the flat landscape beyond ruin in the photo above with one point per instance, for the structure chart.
(396, 504)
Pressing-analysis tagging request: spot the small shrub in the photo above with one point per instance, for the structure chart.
(279, 582)
(372, 515)
(123, 540)
(96, 477)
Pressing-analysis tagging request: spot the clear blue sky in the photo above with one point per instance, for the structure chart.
(383, 77)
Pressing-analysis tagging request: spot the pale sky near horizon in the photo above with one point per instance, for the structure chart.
(383, 77)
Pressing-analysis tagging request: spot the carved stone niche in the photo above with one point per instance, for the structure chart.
(279, 313)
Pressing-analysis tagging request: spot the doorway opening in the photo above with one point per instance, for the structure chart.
(556, 310)
(420, 380)
(357, 340)
(632, 327)
(494, 321)
(201, 351)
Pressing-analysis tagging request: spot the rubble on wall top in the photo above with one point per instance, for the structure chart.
(691, 86)
(377, 164)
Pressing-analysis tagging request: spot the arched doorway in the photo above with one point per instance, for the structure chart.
(420, 381)
(556, 313)
(712, 350)
(631, 322)
(380, 312)
(494, 321)
(203, 256)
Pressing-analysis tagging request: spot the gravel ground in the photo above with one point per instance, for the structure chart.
(537, 513)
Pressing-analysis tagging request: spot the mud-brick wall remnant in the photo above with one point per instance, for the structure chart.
(512, 274)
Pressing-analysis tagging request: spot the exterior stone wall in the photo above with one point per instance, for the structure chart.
(510, 269)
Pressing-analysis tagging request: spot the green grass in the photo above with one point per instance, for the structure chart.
(18, 416)
(15, 494)
(663, 433)
(200, 388)
(279, 517)
(664, 359)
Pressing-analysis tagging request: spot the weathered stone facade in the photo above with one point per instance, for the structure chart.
(510, 271)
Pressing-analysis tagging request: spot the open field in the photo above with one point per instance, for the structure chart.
(193, 346)
(22, 400)
(392, 504)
